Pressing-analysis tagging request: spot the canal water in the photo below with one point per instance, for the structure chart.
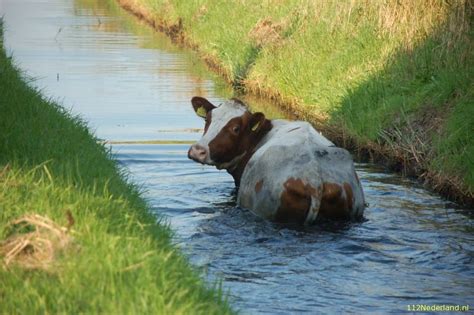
(131, 84)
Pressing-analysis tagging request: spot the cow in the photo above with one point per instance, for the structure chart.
(285, 171)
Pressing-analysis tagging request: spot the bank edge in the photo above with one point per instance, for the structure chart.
(391, 81)
(120, 260)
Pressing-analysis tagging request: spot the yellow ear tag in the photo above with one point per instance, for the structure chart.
(201, 112)
(256, 126)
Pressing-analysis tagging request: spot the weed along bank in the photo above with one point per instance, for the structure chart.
(392, 81)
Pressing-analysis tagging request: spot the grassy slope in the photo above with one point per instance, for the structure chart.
(395, 76)
(122, 261)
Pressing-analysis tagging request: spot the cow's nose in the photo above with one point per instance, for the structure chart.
(197, 153)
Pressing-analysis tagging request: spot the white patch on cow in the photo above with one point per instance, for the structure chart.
(313, 211)
(220, 116)
(293, 131)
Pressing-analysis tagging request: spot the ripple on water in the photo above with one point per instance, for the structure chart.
(410, 248)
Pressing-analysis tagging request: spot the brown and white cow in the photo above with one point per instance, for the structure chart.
(285, 170)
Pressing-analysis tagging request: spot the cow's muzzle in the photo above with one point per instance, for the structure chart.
(198, 153)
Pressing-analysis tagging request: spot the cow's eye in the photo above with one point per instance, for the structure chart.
(236, 129)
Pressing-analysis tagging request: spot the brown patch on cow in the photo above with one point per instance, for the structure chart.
(333, 204)
(223, 148)
(200, 102)
(258, 186)
(295, 201)
(208, 122)
(349, 196)
(228, 144)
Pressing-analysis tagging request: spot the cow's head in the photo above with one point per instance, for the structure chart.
(230, 134)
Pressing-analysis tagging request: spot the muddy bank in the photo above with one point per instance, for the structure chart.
(407, 142)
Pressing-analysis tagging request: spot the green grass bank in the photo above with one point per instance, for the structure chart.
(113, 257)
(391, 80)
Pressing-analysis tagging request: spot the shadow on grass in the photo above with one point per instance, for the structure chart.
(419, 110)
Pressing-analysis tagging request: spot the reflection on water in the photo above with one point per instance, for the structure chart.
(132, 84)
(124, 79)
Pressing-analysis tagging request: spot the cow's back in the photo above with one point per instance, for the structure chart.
(292, 170)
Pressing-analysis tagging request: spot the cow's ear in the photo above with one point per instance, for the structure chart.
(256, 122)
(201, 106)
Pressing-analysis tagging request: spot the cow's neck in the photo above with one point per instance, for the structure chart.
(241, 161)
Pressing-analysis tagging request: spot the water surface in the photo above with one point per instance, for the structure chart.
(131, 84)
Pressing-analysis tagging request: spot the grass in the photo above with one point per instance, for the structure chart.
(119, 260)
(366, 68)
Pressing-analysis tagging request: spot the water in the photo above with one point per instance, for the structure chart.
(132, 84)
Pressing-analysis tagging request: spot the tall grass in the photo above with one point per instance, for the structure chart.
(366, 67)
(121, 261)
